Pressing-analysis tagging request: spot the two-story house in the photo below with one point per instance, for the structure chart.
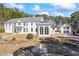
(34, 25)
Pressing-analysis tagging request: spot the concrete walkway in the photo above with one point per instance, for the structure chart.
(8, 36)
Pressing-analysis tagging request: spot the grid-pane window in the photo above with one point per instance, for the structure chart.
(66, 27)
(24, 24)
(41, 30)
(6, 24)
(46, 30)
(31, 29)
(31, 24)
(9, 24)
(25, 30)
(14, 24)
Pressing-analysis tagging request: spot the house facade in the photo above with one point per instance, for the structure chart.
(66, 29)
(34, 25)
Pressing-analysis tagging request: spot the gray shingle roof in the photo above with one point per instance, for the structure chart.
(28, 19)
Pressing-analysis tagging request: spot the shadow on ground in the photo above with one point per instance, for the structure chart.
(50, 48)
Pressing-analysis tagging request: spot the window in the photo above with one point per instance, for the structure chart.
(66, 31)
(41, 30)
(9, 24)
(64, 27)
(46, 30)
(67, 27)
(25, 30)
(24, 24)
(36, 29)
(31, 23)
(14, 24)
(6, 24)
(19, 23)
(36, 23)
(31, 29)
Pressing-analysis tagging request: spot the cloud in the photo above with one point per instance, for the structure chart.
(41, 13)
(65, 5)
(13, 5)
(58, 14)
(36, 8)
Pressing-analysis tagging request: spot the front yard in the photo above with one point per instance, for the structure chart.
(11, 43)
(8, 45)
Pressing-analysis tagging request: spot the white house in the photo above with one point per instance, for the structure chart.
(34, 25)
(66, 29)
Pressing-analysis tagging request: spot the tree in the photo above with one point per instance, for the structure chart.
(60, 19)
(43, 15)
(74, 18)
(2, 12)
(9, 13)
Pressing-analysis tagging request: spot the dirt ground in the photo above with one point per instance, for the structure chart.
(12, 45)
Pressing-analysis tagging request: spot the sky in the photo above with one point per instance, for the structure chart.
(52, 9)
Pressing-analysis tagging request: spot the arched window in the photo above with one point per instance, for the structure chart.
(41, 30)
(46, 30)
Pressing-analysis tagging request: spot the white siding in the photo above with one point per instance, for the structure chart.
(62, 29)
(8, 29)
(50, 31)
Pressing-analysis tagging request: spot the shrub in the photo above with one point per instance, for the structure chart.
(13, 39)
(29, 36)
(2, 30)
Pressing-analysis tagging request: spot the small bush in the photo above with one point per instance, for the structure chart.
(13, 39)
(2, 30)
(29, 36)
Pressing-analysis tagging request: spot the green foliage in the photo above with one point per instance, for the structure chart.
(9, 13)
(44, 16)
(61, 19)
(2, 30)
(29, 36)
(74, 18)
